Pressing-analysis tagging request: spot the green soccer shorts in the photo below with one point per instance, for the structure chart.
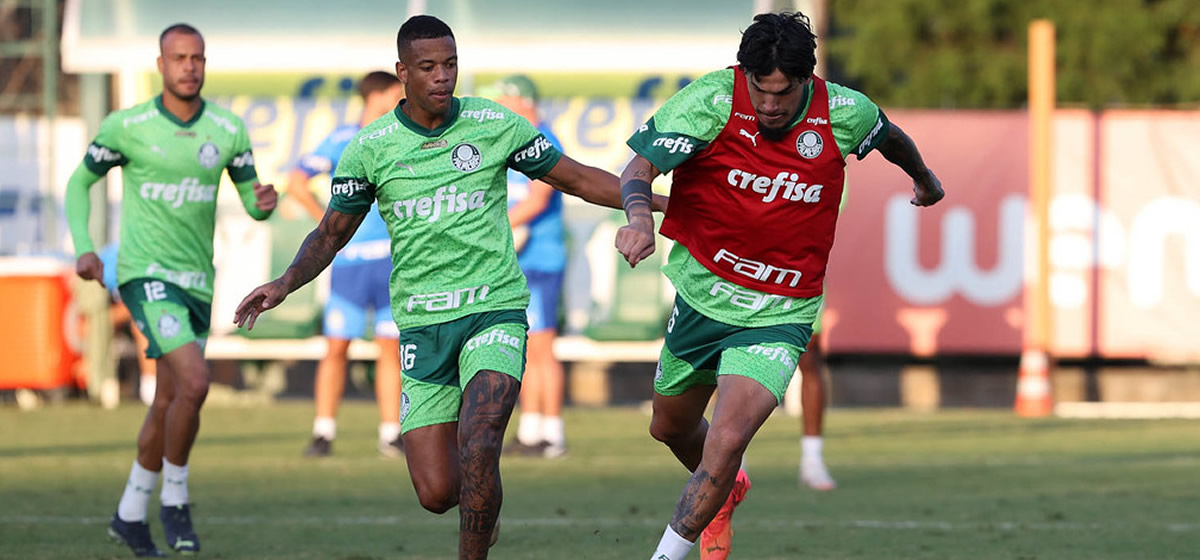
(698, 349)
(168, 315)
(438, 361)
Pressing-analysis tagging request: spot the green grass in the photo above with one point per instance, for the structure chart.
(957, 484)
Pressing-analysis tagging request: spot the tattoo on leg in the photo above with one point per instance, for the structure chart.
(487, 405)
(697, 505)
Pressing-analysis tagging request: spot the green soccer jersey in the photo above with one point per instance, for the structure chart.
(171, 171)
(683, 127)
(443, 194)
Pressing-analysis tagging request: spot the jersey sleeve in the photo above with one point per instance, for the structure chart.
(535, 155)
(352, 191)
(104, 152)
(859, 126)
(687, 122)
(241, 167)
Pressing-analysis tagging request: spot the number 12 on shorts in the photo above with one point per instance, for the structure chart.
(155, 291)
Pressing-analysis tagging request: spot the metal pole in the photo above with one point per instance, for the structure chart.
(1033, 385)
(49, 208)
(90, 297)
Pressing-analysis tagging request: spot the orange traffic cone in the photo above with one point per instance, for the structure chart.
(1033, 385)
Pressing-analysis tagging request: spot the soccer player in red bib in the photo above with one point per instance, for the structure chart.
(758, 153)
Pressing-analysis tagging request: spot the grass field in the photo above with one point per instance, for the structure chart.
(957, 484)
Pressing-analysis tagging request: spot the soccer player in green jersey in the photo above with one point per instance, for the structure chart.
(757, 153)
(172, 150)
(437, 165)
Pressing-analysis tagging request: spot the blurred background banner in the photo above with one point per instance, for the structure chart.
(1124, 247)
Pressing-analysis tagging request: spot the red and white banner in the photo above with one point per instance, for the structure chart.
(1124, 247)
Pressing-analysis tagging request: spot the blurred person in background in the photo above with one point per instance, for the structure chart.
(119, 316)
(758, 153)
(173, 150)
(436, 165)
(535, 213)
(813, 472)
(358, 286)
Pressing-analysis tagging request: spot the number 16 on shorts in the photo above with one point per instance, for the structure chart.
(408, 356)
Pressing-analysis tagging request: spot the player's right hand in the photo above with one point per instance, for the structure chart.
(89, 267)
(636, 240)
(261, 299)
(927, 191)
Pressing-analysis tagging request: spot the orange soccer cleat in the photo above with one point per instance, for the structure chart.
(717, 538)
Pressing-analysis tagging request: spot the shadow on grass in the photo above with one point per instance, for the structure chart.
(130, 444)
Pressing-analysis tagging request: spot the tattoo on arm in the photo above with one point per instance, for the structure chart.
(319, 248)
(635, 198)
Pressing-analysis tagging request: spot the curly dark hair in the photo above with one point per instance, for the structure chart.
(783, 41)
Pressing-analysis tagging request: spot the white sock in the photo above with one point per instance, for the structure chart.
(146, 387)
(529, 430)
(810, 448)
(672, 546)
(174, 488)
(552, 430)
(137, 493)
(325, 427)
(389, 431)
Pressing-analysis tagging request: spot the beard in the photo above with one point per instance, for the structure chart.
(773, 134)
(175, 91)
(776, 134)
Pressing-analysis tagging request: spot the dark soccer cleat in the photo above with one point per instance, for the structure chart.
(392, 449)
(135, 535)
(319, 447)
(554, 450)
(177, 524)
(521, 449)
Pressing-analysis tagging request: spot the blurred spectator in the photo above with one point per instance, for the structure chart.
(813, 472)
(535, 214)
(358, 286)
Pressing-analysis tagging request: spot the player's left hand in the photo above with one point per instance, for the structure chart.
(266, 196)
(927, 191)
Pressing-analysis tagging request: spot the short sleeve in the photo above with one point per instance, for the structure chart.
(859, 126)
(535, 155)
(352, 191)
(687, 122)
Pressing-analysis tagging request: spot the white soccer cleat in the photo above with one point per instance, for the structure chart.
(814, 475)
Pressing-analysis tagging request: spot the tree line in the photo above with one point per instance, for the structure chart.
(971, 54)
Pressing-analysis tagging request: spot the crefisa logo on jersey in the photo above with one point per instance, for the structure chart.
(465, 157)
(209, 155)
(810, 144)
